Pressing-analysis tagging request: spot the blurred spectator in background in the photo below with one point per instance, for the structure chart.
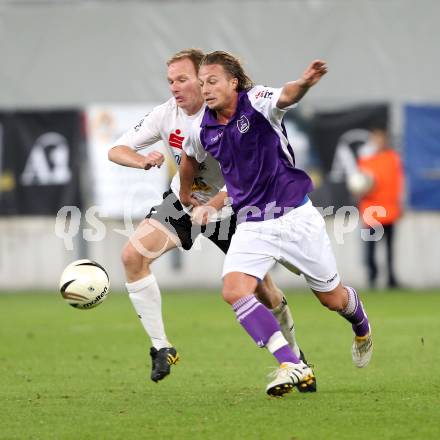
(383, 165)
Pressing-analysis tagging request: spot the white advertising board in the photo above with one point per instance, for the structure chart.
(120, 191)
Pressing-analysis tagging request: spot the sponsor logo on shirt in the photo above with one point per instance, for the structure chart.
(264, 94)
(175, 140)
(243, 124)
(216, 138)
(332, 278)
(200, 185)
(139, 124)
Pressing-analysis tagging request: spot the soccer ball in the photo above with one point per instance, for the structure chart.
(359, 183)
(84, 284)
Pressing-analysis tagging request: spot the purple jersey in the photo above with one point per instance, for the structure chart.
(256, 159)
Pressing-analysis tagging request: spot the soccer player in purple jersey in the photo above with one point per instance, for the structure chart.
(242, 128)
(168, 225)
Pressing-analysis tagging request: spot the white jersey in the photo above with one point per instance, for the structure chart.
(169, 123)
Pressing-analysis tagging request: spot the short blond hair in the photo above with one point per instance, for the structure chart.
(194, 55)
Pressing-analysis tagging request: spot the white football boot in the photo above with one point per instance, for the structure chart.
(362, 350)
(287, 376)
(284, 317)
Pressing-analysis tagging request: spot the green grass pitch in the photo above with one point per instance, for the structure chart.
(72, 374)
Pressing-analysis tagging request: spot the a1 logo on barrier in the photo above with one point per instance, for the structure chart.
(48, 161)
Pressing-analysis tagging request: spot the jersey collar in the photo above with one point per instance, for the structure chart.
(210, 119)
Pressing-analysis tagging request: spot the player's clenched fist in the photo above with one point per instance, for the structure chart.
(201, 215)
(153, 159)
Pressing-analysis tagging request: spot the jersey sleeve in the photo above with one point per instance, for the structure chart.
(194, 147)
(264, 99)
(145, 133)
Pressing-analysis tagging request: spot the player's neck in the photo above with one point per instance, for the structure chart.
(225, 114)
(195, 108)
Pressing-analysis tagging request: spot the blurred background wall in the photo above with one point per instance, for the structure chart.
(79, 56)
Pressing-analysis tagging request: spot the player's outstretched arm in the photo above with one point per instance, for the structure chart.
(126, 156)
(187, 172)
(293, 91)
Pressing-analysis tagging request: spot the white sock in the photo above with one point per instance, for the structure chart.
(284, 317)
(145, 297)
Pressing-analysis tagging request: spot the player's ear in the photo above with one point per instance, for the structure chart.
(235, 83)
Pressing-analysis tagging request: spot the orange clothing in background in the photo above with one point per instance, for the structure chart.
(386, 169)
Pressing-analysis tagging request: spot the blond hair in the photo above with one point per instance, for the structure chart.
(194, 55)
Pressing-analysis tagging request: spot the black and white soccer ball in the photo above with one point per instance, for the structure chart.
(84, 284)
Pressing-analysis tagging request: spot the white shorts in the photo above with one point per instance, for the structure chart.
(298, 240)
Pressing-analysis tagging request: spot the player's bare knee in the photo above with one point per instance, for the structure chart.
(335, 300)
(231, 292)
(229, 295)
(236, 285)
(131, 258)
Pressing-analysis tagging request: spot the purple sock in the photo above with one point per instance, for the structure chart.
(285, 354)
(354, 312)
(263, 328)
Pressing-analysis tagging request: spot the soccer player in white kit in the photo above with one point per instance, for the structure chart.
(168, 225)
(242, 128)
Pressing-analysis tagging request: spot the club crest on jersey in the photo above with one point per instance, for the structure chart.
(175, 140)
(243, 124)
